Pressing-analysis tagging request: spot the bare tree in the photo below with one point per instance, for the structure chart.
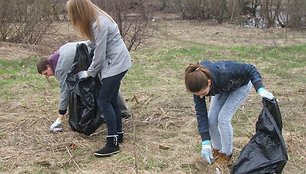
(195, 9)
(24, 21)
(133, 20)
(219, 10)
(270, 9)
(204, 9)
(296, 14)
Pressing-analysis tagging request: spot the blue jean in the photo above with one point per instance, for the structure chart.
(222, 108)
(108, 103)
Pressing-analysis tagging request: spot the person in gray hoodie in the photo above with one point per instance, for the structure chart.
(111, 61)
(58, 64)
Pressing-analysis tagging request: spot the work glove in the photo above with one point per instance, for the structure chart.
(265, 94)
(206, 151)
(56, 126)
(83, 74)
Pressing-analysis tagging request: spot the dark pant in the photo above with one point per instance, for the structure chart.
(108, 103)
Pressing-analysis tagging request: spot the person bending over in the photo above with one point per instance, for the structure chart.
(228, 83)
(58, 64)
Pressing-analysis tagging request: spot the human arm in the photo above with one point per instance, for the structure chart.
(100, 34)
(64, 96)
(249, 72)
(56, 126)
(202, 119)
(256, 80)
(63, 101)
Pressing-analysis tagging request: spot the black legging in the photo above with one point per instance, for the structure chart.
(107, 101)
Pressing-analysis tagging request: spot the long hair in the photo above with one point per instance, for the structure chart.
(196, 77)
(82, 13)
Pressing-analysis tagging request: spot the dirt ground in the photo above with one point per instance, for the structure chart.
(161, 135)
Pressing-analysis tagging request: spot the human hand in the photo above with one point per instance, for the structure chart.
(83, 74)
(56, 126)
(206, 151)
(265, 94)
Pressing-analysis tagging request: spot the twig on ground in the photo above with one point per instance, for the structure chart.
(135, 98)
(74, 160)
(97, 132)
(252, 122)
(5, 158)
(134, 143)
(162, 110)
(150, 117)
(147, 101)
(12, 166)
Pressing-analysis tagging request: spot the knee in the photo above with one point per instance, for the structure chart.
(223, 122)
(213, 122)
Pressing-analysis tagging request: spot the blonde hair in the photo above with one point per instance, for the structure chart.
(82, 13)
(196, 77)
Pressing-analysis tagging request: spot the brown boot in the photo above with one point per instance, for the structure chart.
(223, 160)
(215, 153)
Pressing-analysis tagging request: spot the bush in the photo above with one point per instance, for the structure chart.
(204, 9)
(25, 21)
(132, 18)
(296, 14)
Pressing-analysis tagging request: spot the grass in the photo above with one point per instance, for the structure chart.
(281, 61)
(171, 62)
(157, 81)
(21, 72)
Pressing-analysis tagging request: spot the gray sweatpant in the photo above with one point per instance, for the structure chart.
(222, 108)
(122, 104)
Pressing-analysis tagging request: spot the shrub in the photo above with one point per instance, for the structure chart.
(25, 21)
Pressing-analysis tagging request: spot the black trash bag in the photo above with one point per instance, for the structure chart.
(266, 152)
(84, 116)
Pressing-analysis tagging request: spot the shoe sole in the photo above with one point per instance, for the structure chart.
(104, 155)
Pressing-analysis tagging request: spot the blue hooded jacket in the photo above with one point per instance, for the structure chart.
(226, 77)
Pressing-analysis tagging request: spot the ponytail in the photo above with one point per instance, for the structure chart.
(196, 77)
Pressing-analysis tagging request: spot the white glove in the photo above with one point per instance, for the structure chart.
(206, 151)
(56, 126)
(265, 94)
(83, 74)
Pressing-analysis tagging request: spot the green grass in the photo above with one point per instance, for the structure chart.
(279, 61)
(155, 164)
(155, 67)
(161, 67)
(21, 75)
(23, 70)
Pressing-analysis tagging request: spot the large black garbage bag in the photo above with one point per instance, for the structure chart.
(83, 113)
(266, 152)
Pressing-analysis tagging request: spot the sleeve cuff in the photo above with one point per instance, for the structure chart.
(62, 112)
(258, 85)
(205, 136)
